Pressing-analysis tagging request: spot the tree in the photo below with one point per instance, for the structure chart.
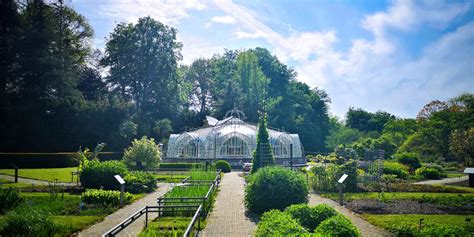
(200, 76)
(462, 146)
(263, 155)
(430, 108)
(163, 128)
(365, 121)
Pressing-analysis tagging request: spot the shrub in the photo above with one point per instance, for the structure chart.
(274, 188)
(183, 166)
(443, 230)
(337, 225)
(429, 173)
(223, 165)
(9, 199)
(310, 217)
(277, 223)
(28, 222)
(143, 150)
(391, 167)
(105, 197)
(140, 182)
(96, 174)
(409, 159)
(325, 176)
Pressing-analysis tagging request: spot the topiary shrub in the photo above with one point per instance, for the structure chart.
(336, 226)
(410, 159)
(392, 167)
(277, 223)
(9, 199)
(105, 197)
(28, 222)
(429, 173)
(144, 151)
(140, 182)
(274, 188)
(310, 217)
(96, 174)
(223, 165)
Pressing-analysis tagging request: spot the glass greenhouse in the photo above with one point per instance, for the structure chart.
(233, 140)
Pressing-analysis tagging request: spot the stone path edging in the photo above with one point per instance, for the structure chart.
(444, 181)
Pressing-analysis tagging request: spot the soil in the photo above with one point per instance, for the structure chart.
(373, 206)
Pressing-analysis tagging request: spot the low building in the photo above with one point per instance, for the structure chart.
(233, 140)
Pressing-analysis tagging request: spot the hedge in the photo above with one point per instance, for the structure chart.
(48, 160)
(185, 166)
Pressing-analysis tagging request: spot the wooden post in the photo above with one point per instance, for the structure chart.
(16, 174)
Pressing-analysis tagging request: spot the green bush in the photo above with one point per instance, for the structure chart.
(223, 165)
(325, 176)
(105, 197)
(28, 222)
(407, 230)
(96, 174)
(180, 166)
(140, 182)
(274, 188)
(9, 199)
(429, 173)
(410, 159)
(145, 151)
(392, 167)
(310, 217)
(337, 225)
(277, 223)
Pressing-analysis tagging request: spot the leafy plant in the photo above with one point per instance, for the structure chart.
(410, 159)
(28, 222)
(96, 174)
(223, 165)
(310, 217)
(274, 188)
(395, 168)
(277, 223)
(105, 197)
(337, 225)
(429, 173)
(140, 182)
(9, 199)
(145, 151)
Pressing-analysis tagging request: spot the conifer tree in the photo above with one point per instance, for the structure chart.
(263, 155)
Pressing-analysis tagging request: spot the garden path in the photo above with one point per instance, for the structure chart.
(445, 181)
(365, 227)
(32, 181)
(228, 218)
(115, 218)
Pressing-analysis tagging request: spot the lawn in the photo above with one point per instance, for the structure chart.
(7, 183)
(455, 175)
(395, 195)
(167, 226)
(49, 174)
(386, 221)
(170, 178)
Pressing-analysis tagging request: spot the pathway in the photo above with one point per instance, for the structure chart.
(228, 218)
(365, 227)
(115, 218)
(445, 181)
(32, 181)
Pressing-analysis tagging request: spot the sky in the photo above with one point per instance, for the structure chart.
(394, 56)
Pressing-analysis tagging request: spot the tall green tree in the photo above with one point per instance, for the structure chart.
(263, 155)
(200, 76)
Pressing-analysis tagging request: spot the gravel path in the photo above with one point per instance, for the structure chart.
(32, 181)
(365, 227)
(228, 218)
(445, 181)
(115, 218)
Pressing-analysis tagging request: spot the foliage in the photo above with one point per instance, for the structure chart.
(179, 166)
(411, 160)
(145, 151)
(462, 146)
(263, 155)
(9, 199)
(163, 128)
(29, 222)
(140, 182)
(325, 176)
(49, 174)
(274, 188)
(96, 174)
(188, 191)
(277, 223)
(429, 173)
(128, 129)
(366, 121)
(310, 217)
(105, 197)
(223, 165)
(392, 167)
(337, 225)
(203, 175)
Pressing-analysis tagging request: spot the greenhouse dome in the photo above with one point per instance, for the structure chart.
(233, 140)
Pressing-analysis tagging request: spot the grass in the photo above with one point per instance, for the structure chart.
(454, 175)
(170, 178)
(167, 226)
(189, 191)
(386, 221)
(49, 174)
(203, 175)
(394, 195)
(7, 183)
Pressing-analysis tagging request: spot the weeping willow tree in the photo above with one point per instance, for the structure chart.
(263, 155)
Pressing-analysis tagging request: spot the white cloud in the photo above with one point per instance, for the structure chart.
(224, 19)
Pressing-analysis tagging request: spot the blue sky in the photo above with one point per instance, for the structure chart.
(394, 56)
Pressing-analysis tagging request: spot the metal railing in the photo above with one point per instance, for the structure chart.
(197, 218)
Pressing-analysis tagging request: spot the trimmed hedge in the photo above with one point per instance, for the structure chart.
(140, 182)
(223, 165)
(48, 160)
(277, 223)
(96, 174)
(310, 217)
(176, 166)
(105, 197)
(337, 226)
(275, 187)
